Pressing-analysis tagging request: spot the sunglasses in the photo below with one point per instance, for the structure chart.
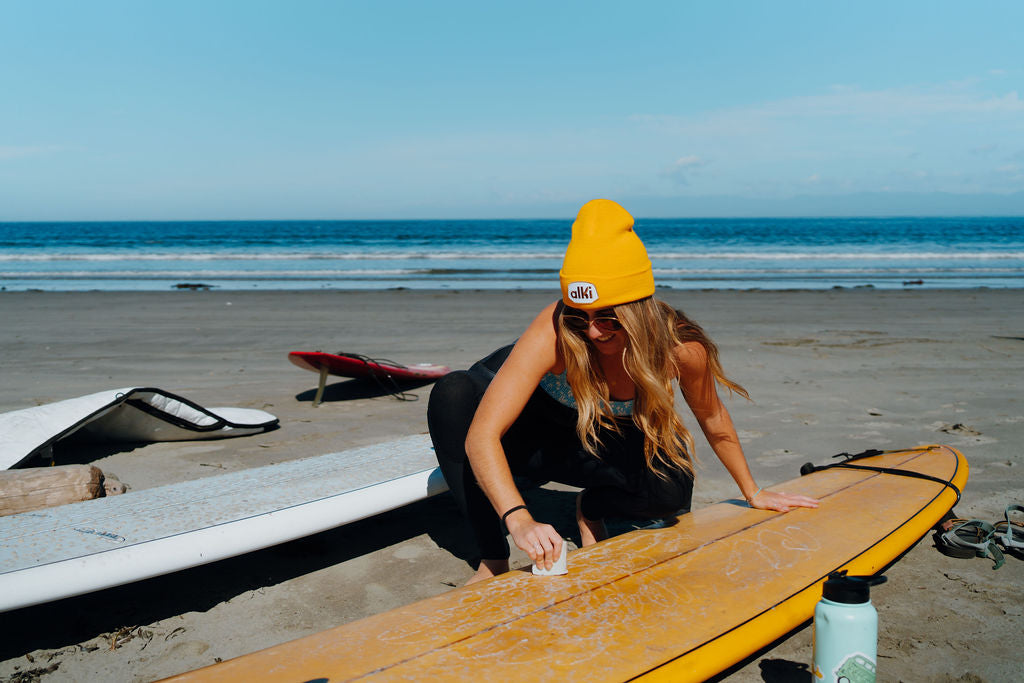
(579, 321)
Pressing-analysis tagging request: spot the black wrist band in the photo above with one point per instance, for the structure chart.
(510, 511)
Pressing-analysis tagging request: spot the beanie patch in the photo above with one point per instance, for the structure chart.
(581, 293)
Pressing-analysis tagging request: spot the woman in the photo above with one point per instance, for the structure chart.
(585, 397)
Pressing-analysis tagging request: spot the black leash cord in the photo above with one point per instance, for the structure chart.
(378, 374)
(810, 467)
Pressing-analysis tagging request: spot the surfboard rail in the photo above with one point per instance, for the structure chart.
(679, 603)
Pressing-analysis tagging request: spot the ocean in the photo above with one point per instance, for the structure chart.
(769, 253)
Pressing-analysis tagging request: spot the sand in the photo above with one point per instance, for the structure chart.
(829, 371)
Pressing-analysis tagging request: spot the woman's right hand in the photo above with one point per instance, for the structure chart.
(539, 541)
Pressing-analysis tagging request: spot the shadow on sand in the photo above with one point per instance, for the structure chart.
(353, 389)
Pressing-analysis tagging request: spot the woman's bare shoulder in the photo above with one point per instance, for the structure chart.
(538, 344)
(691, 355)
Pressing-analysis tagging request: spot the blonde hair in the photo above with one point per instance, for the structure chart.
(653, 330)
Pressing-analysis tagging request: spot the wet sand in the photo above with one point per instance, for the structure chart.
(829, 371)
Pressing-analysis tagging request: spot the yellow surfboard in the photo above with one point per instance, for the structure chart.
(679, 603)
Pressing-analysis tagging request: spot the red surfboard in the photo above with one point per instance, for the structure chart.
(359, 366)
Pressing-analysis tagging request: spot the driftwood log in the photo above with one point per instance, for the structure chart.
(41, 487)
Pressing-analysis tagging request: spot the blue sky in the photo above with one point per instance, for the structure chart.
(312, 109)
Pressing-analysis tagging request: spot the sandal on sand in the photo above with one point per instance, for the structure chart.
(970, 538)
(946, 525)
(1010, 534)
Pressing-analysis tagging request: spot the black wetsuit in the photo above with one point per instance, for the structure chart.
(542, 445)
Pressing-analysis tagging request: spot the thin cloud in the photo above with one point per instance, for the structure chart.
(22, 152)
(679, 172)
(848, 136)
(884, 104)
(844, 102)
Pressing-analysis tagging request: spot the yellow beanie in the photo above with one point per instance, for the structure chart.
(606, 263)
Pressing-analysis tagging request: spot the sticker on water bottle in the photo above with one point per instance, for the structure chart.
(857, 668)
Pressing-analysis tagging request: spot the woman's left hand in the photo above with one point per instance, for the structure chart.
(781, 502)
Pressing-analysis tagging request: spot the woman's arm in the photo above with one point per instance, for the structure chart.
(701, 393)
(534, 354)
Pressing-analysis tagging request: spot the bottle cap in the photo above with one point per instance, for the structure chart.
(849, 590)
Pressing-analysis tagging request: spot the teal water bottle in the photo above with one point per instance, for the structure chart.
(846, 630)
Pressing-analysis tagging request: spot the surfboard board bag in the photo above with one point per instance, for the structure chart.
(129, 415)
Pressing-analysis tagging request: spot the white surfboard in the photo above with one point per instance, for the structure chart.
(82, 547)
